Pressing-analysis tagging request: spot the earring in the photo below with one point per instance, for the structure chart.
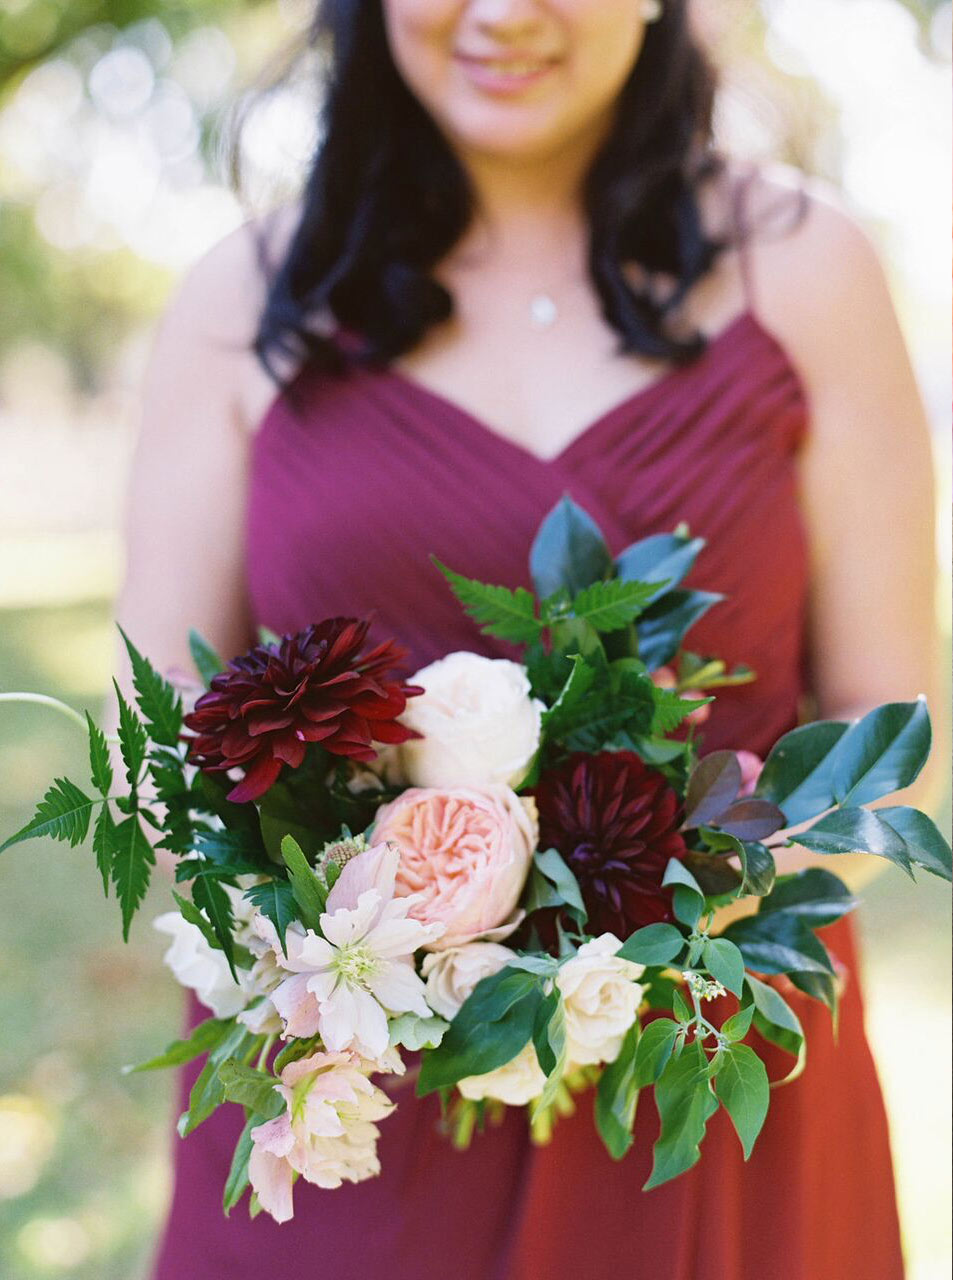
(651, 10)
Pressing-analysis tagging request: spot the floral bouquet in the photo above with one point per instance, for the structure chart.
(510, 868)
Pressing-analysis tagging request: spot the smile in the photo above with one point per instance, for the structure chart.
(504, 75)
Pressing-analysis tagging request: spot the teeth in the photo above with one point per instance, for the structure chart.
(514, 68)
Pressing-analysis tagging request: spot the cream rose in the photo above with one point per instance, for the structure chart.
(452, 974)
(515, 1083)
(600, 997)
(466, 851)
(478, 721)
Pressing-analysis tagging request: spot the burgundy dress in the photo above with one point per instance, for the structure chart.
(350, 491)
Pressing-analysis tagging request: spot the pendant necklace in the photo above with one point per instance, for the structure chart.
(543, 311)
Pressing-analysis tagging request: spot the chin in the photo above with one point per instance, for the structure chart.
(518, 133)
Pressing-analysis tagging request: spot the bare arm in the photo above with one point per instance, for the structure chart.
(866, 487)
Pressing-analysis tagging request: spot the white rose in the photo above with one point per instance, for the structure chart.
(479, 723)
(202, 968)
(601, 999)
(516, 1083)
(452, 974)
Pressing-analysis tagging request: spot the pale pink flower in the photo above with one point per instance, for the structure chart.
(326, 1133)
(751, 766)
(347, 981)
(465, 853)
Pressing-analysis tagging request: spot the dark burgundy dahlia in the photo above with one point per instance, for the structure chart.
(316, 686)
(615, 821)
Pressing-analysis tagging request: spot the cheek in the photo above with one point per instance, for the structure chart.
(420, 37)
(605, 37)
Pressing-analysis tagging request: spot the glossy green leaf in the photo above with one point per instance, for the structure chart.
(741, 1083)
(712, 787)
(662, 559)
(724, 962)
(688, 901)
(882, 752)
(925, 843)
(778, 942)
(568, 551)
(816, 895)
(665, 623)
(654, 944)
(616, 1097)
(855, 830)
(208, 1093)
(798, 773)
(550, 863)
(759, 868)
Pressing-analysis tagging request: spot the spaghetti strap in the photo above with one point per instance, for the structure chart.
(742, 230)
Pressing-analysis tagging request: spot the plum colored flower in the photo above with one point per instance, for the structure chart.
(615, 821)
(326, 1133)
(317, 686)
(345, 983)
(465, 853)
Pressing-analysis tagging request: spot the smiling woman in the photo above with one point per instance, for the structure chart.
(718, 348)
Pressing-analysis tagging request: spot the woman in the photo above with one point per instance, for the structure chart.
(517, 270)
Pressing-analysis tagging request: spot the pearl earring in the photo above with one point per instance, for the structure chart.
(651, 10)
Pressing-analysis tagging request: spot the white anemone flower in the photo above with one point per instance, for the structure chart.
(346, 983)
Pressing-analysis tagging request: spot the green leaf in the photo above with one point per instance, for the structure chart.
(208, 1093)
(309, 892)
(62, 814)
(775, 1020)
(654, 1050)
(739, 1024)
(724, 962)
(493, 1026)
(616, 1097)
(798, 773)
(159, 702)
(680, 1007)
(203, 1038)
(252, 1088)
(100, 767)
(549, 1041)
(925, 844)
(653, 944)
(275, 900)
(551, 864)
(104, 843)
(685, 1103)
(237, 1180)
(778, 942)
(132, 739)
(662, 559)
(568, 551)
(688, 901)
(510, 615)
(816, 895)
(883, 752)
(819, 986)
(207, 662)
(209, 896)
(414, 1032)
(191, 914)
(610, 606)
(578, 683)
(759, 868)
(664, 624)
(854, 830)
(741, 1084)
(671, 708)
(713, 785)
(132, 863)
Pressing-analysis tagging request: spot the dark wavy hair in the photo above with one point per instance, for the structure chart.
(386, 199)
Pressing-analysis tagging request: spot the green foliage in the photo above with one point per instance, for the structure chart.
(852, 830)
(551, 865)
(714, 783)
(741, 1083)
(104, 841)
(774, 1019)
(617, 1095)
(662, 559)
(99, 766)
(275, 900)
(685, 1104)
(132, 741)
(309, 893)
(203, 1038)
(208, 1092)
(62, 814)
(663, 625)
(797, 775)
(779, 942)
(251, 1088)
(569, 552)
(132, 860)
(209, 896)
(654, 1049)
(207, 662)
(724, 962)
(688, 901)
(556, 719)
(159, 703)
(881, 753)
(610, 606)
(739, 1024)
(925, 844)
(654, 944)
(549, 1042)
(759, 868)
(236, 1183)
(414, 1032)
(816, 895)
(510, 615)
(492, 1027)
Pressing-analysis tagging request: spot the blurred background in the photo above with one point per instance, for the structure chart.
(115, 120)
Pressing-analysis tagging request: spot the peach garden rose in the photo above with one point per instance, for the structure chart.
(466, 851)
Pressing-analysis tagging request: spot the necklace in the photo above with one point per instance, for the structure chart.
(543, 311)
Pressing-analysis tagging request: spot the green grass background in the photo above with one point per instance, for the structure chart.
(84, 1149)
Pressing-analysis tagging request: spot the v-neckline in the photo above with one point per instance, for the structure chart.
(629, 402)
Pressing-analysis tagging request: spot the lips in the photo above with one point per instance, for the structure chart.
(508, 74)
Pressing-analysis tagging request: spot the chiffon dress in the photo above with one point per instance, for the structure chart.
(354, 482)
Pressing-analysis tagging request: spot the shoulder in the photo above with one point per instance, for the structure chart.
(209, 324)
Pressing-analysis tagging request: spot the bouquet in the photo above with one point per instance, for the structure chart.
(507, 869)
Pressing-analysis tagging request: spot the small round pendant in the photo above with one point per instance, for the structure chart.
(542, 311)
